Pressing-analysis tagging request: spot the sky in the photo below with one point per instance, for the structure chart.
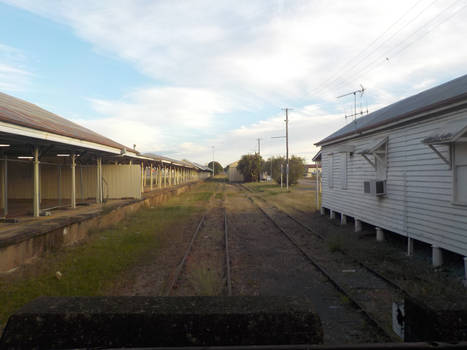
(193, 79)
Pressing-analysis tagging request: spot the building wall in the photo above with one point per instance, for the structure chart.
(235, 175)
(120, 181)
(418, 203)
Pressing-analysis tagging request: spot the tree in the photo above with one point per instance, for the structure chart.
(296, 168)
(218, 169)
(250, 166)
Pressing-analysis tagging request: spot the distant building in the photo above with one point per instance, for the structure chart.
(403, 168)
(234, 174)
(310, 170)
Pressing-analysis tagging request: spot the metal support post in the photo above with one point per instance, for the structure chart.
(73, 181)
(159, 176)
(143, 175)
(5, 186)
(36, 200)
(150, 176)
(59, 185)
(99, 181)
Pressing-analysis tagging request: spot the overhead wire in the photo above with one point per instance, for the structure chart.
(434, 22)
(338, 75)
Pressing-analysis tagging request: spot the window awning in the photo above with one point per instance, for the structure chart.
(317, 157)
(450, 132)
(375, 146)
(345, 149)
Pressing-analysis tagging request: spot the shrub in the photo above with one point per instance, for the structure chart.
(296, 168)
(250, 166)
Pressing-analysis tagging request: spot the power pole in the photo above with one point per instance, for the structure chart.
(212, 161)
(287, 145)
(259, 155)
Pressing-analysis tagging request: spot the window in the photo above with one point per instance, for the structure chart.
(381, 166)
(460, 172)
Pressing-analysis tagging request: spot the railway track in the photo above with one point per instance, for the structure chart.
(181, 267)
(346, 280)
(322, 238)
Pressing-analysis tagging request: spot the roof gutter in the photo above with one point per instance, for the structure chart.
(428, 111)
(48, 136)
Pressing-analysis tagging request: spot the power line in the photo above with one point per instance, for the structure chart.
(388, 53)
(336, 76)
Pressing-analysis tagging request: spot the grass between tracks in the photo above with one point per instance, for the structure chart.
(91, 267)
(298, 197)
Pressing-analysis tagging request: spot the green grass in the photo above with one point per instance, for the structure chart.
(201, 196)
(92, 267)
(206, 281)
(334, 244)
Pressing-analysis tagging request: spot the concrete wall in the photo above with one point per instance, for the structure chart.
(419, 196)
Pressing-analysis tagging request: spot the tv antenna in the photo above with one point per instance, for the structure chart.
(354, 93)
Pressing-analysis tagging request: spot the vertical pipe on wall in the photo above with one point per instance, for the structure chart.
(36, 200)
(73, 181)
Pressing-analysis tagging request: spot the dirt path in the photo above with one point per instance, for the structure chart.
(265, 263)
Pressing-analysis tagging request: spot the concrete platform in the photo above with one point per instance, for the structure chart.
(30, 237)
(82, 322)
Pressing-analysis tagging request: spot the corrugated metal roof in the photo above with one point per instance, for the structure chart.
(19, 112)
(439, 96)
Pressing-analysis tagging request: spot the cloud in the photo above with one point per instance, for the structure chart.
(159, 118)
(13, 76)
(266, 48)
(212, 58)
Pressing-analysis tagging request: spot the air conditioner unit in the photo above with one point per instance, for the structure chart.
(375, 187)
(380, 187)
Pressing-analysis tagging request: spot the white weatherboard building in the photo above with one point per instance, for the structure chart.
(403, 168)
